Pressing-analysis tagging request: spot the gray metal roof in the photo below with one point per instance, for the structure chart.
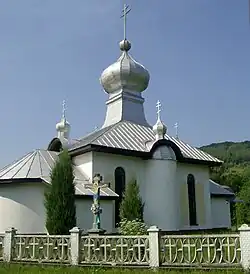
(38, 164)
(130, 136)
(217, 189)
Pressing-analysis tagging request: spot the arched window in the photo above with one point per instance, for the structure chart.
(191, 200)
(55, 145)
(120, 181)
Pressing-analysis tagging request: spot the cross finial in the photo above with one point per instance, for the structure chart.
(176, 130)
(125, 11)
(63, 109)
(158, 106)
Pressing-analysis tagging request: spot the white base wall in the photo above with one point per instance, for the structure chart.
(221, 215)
(22, 207)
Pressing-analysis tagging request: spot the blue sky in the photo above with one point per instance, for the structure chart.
(197, 52)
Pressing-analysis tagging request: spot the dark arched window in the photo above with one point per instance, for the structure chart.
(55, 145)
(191, 200)
(120, 181)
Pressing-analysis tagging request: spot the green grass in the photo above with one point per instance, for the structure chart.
(29, 269)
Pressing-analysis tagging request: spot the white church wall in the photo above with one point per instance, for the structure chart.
(203, 203)
(138, 169)
(161, 194)
(85, 215)
(156, 179)
(220, 208)
(105, 164)
(85, 163)
(22, 207)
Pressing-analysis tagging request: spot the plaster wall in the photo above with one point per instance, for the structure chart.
(203, 202)
(85, 163)
(150, 175)
(220, 208)
(106, 164)
(156, 179)
(85, 216)
(22, 207)
(161, 194)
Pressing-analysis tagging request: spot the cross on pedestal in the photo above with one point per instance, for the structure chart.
(96, 186)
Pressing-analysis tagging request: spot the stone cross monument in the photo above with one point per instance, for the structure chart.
(96, 186)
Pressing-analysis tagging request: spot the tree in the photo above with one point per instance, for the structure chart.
(243, 208)
(235, 173)
(131, 207)
(60, 197)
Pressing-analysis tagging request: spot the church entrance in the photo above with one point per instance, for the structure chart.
(120, 182)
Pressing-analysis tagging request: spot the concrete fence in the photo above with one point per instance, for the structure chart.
(152, 250)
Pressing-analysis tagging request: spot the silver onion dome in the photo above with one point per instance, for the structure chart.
(159, 129)
(125, 73)
(63, 126)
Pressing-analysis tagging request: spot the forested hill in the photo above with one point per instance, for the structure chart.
(236, 153)
(235, 172)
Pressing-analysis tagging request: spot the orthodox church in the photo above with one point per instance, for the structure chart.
(173, 176)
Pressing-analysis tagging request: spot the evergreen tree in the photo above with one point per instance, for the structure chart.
(131, 207)
(60, 198)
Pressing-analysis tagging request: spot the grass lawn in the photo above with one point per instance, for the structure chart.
(28, 269)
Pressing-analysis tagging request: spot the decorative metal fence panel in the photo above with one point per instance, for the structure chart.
(115, 250)
(222, 250)
(41, 248)
(1, 246)
(200, 250)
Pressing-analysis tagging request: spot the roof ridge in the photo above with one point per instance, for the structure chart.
(134, 123)
(23, 164)
(16, 161)
(105, 131)
(32, 161)
(42, 157)
(43, 149)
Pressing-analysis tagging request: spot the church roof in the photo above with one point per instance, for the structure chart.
(133, 137)
(219, 190)
(38, 164)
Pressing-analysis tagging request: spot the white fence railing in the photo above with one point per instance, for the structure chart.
(201, 250)
(115, 250)
(152, 250)
(41, 248)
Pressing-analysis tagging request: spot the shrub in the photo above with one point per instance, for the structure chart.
(134, 227)
(131, 207)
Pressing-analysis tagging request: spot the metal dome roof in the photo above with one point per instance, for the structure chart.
(125, 73)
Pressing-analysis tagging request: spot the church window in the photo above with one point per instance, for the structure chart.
(192, 200)
(120, 181)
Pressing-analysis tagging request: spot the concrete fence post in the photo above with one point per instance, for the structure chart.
(245, 246)
(154, 246)
(8, 244)
(75, 239)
